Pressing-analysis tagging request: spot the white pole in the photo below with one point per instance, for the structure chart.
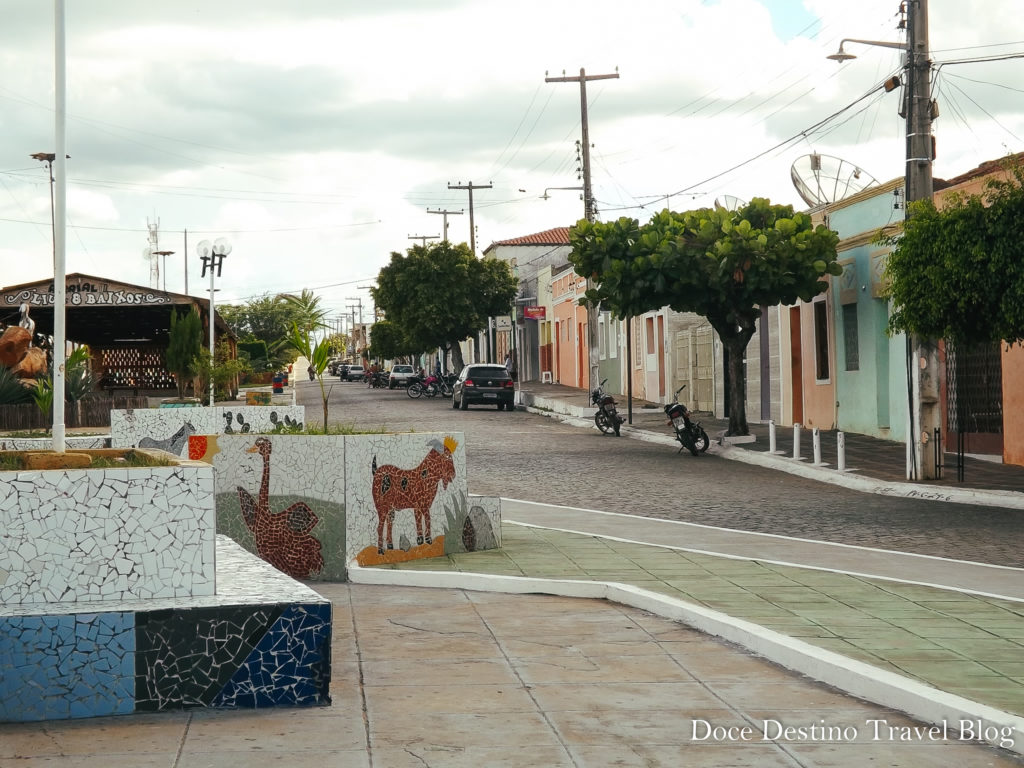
(841, 449)
(771, 437)
(816, 443)
(796, 441)
(213, 323)
(60, 231)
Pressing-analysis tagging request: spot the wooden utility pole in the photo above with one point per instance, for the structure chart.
(472, 230)
(445, 214)
(423, 238)
(589, 210)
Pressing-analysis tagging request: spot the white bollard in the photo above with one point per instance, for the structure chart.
(796, 441)
(771, 437)
(841, 451)
(816, 446)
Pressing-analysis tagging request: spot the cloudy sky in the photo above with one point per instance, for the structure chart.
(316, 135)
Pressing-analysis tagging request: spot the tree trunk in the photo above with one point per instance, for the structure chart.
(737, 346)
(457, 363)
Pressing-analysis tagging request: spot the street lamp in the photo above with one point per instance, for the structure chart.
(922, 354)
(212, 255)
(842, 55)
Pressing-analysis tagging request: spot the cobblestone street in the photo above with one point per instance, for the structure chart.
(531, 457)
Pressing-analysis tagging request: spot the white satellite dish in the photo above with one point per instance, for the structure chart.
(824, 179)
(729, 202)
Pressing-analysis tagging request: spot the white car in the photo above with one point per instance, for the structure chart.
(400, 376)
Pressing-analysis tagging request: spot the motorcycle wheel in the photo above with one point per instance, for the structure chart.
(701, 440)
(686, 440)
(602, 422)
(414, 390)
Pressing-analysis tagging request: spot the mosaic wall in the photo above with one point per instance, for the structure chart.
(169, 429)
(263, 640)
(401, 493)
(282, 497)
(310, 504)
(106, 534)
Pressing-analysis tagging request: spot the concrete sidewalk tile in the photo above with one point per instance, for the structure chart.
(523, 756)
(157, 733)
(273, 730)
(407, 701)
(495, 730)
(601, 669)
(691, 755)
(633, 697)
(654, 727)
(991, 649)
(920, 753)
(442, 670)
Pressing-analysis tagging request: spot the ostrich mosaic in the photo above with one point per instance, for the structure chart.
(282, 538)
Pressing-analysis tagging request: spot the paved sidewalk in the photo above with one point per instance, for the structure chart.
(451, 678)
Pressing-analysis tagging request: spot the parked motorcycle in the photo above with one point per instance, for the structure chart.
(431, 386)
(689, 433)
(607, 417)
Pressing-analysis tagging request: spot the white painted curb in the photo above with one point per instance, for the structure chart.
(879, 686)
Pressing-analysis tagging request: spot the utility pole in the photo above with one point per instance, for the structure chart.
(472, 229)
(923, 354)
(423, 238)
(588, 207)
(445, 214)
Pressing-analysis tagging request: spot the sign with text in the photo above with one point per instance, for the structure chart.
(503, 323)
(534, 313)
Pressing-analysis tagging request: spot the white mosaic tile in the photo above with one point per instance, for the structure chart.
(89, 535)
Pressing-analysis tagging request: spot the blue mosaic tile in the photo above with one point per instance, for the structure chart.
(76, 666)
(289, 666)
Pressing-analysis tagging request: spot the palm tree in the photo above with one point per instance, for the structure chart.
(309, 314)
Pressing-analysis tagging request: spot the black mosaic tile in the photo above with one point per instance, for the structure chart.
(184, 657)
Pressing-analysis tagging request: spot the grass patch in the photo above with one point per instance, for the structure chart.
(11, 461)
(341, 429)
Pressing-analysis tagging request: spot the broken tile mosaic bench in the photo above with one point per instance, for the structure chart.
(262, 640)
(113, 584)
(311, 504)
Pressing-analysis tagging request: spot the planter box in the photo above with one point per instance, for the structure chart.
(80, 535)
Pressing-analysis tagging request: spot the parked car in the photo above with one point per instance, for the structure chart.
(484, 385)
(332, 365)
(356, 373)
(400, 376)
(343, 371)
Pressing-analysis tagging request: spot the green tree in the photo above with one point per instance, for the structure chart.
(306, 313)
(319, 355)
(225, 370)
(389, 342)
(723, 265)
(268, 319)
(441, 294)
(183, 345)
(958, 273)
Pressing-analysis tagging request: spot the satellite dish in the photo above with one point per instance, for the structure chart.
(824, 179)
(729, 202)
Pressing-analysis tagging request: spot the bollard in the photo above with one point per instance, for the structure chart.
(796, 441)
(816, 445)
(771, 437)
(841, 450)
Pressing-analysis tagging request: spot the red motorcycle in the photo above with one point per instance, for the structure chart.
(607, 417)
